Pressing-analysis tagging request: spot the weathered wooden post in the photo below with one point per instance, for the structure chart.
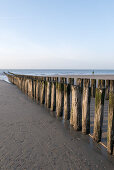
(48, 102)
(111, 85)
(17, 81)
(30, 88)
(40, 88)
(12, 79)
(37, 90)
(71, 81)
(110, 130)
(101, 83)
(76, 110)
(57, 94)
(23, 85)
(79, 82)
(60, 98)
(34, 88)
(67, 89)
(42, 91)
(86, 107)
(107, 89)
(53, 94)
(20, 82)
(99, 112)
(93, 87)
(26, 85)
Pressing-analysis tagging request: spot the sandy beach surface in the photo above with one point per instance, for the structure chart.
(31, 137)
(104, 77)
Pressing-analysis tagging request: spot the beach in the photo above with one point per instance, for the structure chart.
(32, 138)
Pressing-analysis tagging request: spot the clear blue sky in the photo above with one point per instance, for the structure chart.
(76, 34)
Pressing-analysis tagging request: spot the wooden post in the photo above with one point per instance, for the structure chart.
(67, 89)
(111, 85)
(79, 82)
(110, 131)
(76, 110)
(99, 112)
(30, 88)
(48, 93)
(15, 80)
(37, 90)
(71, 81)
(20, 82)
(107, 89)
(101, 83)
(26, 86)
(53, 96)
(66, 101)
(23, 84)
(60, 99)
(63, 79)
(86, 107)
(34, 88)
(93, 87)
(42, 92)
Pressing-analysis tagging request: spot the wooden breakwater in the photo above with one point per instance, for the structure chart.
(72, 102)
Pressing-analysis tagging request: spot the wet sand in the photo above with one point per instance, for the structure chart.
(31, 137)
(104, 77)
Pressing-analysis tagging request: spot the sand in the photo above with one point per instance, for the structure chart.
(31, 137)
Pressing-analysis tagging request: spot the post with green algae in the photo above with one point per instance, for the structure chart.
(99, 112)
(93, 87)
(60, 99)
(110, 130)
(76, 110)
(86, 107)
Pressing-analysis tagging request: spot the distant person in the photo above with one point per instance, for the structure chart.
(93, 72)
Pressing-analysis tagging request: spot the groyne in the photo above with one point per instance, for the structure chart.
(71, 100)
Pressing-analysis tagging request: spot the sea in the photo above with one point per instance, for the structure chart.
(45, 72)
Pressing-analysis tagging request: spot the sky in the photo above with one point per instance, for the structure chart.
(57, 34)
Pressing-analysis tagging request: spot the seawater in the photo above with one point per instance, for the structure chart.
(45, 72)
